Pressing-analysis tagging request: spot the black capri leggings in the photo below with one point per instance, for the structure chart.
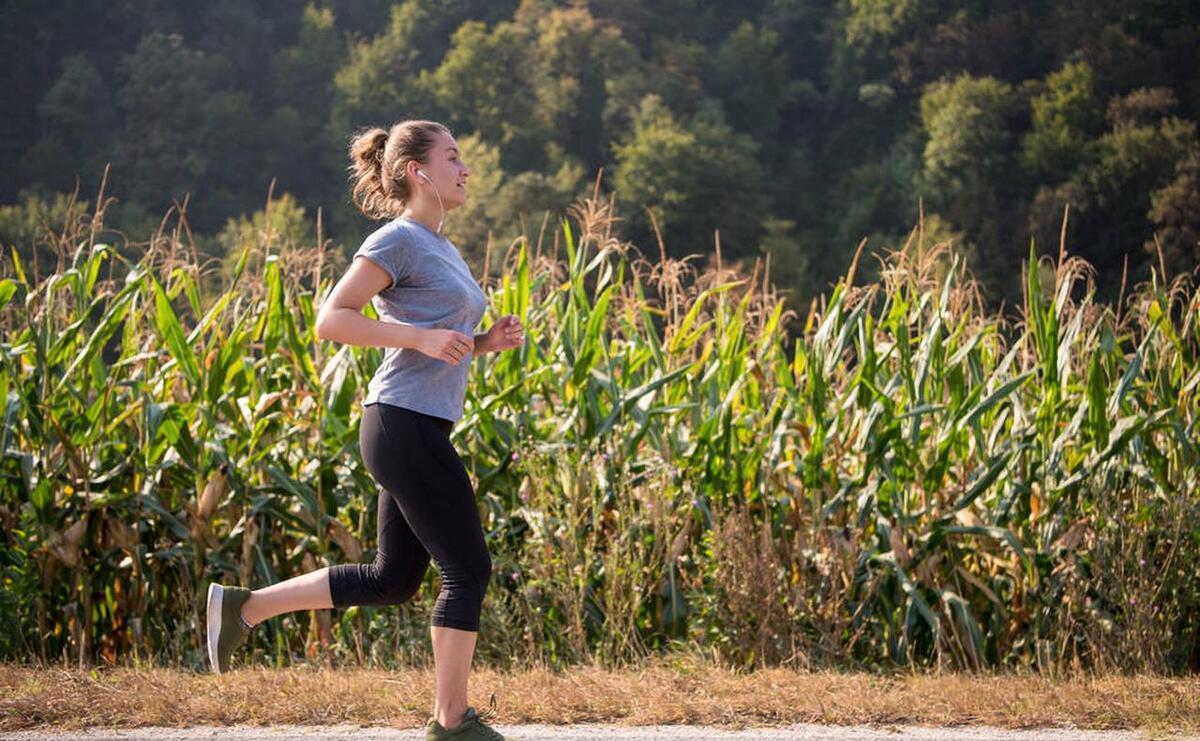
(426, 508)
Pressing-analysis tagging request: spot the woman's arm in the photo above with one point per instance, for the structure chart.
(340, 318)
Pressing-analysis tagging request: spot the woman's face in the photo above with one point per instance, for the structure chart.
(447, 171)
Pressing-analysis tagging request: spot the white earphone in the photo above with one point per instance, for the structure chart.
(422, 174)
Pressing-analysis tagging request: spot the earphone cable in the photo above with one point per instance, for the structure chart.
(438, 193)
(441, 221)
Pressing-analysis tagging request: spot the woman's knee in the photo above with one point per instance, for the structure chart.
(395, 585)
(461, 600)
(467, 580)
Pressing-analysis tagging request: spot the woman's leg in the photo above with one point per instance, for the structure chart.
(305, 592)
(392, 579)
(434, 492)
(452, 653)
(397, 571)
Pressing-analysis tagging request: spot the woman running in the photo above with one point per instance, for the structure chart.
(428, 304)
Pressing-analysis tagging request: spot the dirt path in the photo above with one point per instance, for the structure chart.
(688, 702)
(593, 732)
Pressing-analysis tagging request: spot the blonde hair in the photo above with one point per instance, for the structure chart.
(378, 162)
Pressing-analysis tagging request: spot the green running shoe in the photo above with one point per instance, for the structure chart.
(226, 629)
(472, 728)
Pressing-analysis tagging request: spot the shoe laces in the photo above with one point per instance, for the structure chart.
(486, 715)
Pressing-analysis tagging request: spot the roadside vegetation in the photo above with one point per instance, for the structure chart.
(673, 464)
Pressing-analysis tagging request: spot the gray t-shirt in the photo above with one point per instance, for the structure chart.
(433, 288)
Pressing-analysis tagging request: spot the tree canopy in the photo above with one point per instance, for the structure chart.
(794, 127)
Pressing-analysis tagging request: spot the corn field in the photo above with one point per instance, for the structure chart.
(673, 463)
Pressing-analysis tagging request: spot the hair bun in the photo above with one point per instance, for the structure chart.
(369, 146)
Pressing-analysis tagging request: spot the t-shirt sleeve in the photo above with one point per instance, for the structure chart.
(390, 250)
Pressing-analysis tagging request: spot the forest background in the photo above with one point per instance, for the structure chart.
(795, 127)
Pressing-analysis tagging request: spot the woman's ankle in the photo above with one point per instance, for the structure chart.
(452, 719)
(243, 614)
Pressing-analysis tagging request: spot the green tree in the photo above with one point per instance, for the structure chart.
(1137, 182)
(694, 176)
(305, 154)
(380, 82)
(1175, 214)
(750, 75)
(34, 218)
(361, 17)
(79, 121)
(165, 99)
(1066, 118)
(967, 123)
(573, 59)
(966, 172)
(236, 145)
(484, 85)
(302, 73)
(241, 34)
(874, 21)
(1115, 210)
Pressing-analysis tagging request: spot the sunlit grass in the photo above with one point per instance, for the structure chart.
(661, 694)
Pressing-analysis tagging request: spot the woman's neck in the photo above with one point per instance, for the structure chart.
(426, 212)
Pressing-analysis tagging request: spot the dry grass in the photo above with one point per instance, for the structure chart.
(660, 695)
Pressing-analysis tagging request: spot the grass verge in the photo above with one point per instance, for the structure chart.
(125, 697)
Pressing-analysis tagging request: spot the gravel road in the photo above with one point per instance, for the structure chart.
(593, 732)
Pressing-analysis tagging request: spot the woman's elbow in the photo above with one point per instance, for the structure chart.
(322, 326)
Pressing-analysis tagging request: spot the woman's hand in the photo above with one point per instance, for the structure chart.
(445, 344)
(505, 334)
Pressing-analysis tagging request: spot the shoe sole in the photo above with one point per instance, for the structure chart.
(215, 597)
